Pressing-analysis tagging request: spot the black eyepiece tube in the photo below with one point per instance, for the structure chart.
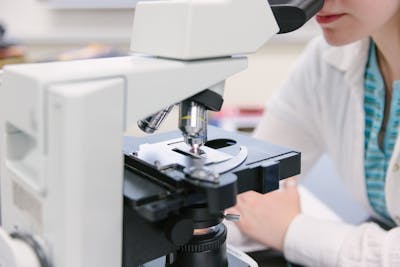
(292, 14)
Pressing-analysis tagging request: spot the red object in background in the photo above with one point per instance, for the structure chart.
(10, 52)
(243, 119)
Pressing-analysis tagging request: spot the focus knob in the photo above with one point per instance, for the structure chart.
(21, 250)
(16, 253)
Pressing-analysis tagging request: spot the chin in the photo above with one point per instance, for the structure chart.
(335, 38)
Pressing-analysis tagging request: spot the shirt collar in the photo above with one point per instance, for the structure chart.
(372, 68)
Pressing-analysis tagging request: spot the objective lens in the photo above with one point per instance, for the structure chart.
(153, 122)
(193, 123)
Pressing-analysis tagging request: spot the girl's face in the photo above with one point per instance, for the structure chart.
(346, 21)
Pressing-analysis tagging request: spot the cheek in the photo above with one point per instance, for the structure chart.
(373, 15)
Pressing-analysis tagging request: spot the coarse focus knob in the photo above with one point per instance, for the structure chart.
(15, 252)
(206, 242)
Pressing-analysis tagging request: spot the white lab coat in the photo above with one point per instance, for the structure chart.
(319, 109)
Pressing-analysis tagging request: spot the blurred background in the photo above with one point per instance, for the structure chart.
(48, 30)
(56, 29)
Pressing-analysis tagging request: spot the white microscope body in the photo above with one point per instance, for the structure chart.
(62, 125)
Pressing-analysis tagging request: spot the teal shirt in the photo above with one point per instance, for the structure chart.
(377, 155)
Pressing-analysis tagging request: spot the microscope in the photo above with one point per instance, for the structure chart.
(76, 193)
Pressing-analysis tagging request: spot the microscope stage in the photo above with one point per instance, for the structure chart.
(158, 166)
(224, 151)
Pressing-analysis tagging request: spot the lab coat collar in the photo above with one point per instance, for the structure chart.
(348, 57)
(351, 59)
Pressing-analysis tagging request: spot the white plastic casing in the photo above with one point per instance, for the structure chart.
(193, 29)
(61, 131)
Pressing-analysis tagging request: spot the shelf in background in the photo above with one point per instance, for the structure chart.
(90, 4)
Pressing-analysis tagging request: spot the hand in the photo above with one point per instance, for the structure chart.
(266, 218)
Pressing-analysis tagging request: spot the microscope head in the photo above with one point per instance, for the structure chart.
(198, 29)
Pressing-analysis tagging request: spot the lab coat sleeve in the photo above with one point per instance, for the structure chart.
(314, 242)
(291, 118)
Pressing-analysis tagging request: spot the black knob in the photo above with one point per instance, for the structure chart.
(179, 230)
(202, 250)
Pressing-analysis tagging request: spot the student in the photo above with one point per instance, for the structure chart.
(343, 99)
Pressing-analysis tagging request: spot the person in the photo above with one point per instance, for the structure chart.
(342, 99)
